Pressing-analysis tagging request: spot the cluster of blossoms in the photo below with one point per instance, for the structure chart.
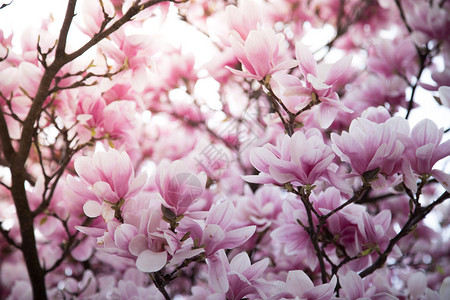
(297, 173)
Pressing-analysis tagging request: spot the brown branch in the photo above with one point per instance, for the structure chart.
(62, 40)
(7, 147)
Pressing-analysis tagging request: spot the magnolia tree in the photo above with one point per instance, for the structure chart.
(261, 166)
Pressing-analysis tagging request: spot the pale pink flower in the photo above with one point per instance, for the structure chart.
(300, 286)
(428, 20)
(259, 53)
(106, 178)
(300, 159)
(319, 80)
(391, 57)
(244, 18)
(368, 146)
(422, 152)
(133, 53)
(236, 278)
(178, 186)
(261, 208)
(220, 232)
(355, 288)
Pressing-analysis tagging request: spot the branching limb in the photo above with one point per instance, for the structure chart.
(7, 147)
(6, 4)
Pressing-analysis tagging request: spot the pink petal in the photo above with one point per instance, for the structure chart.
(240, 262)
(326, 115)
(212, 236)
(138, 244)
(257, 269)
(237, 45)
(352, 285)
(257, 52)
(123, 235)
(85, 169)
(417, 283)
(444, 94)
(298, 282)
(103, 191)
(337, 69)
(91, 231)
(137, 184)
(441, 151)
(92, 209)
(243, 74)
(308, 64)
(221, 214)
(443, 178)
(425, 132)
(323, 291)
(217, 273)
(317, 83)
(237, 237)
(123, 171)
(149, 261)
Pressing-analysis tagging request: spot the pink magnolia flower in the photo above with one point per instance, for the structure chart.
(299, 286)
(235, 279)
(319, 80)
(422, 152)
(259, 53)
(178, 186)
(368, 146)
(244, 18)
(300, 159)
(389, 57)
(355, 288)
(220, 232)
(106, 179)
(429, 21)
(261, 208)
(111, 122)
(134, 53)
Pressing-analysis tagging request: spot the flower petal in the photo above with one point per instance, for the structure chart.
(149, 261)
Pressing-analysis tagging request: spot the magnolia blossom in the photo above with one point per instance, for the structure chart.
(299, 286)
(369, 146)
(244, 18)
(179, 187)
(319, 80)
(423, 150)
(300, 159)
(236, 278)
(259, 53)
(105, 184)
